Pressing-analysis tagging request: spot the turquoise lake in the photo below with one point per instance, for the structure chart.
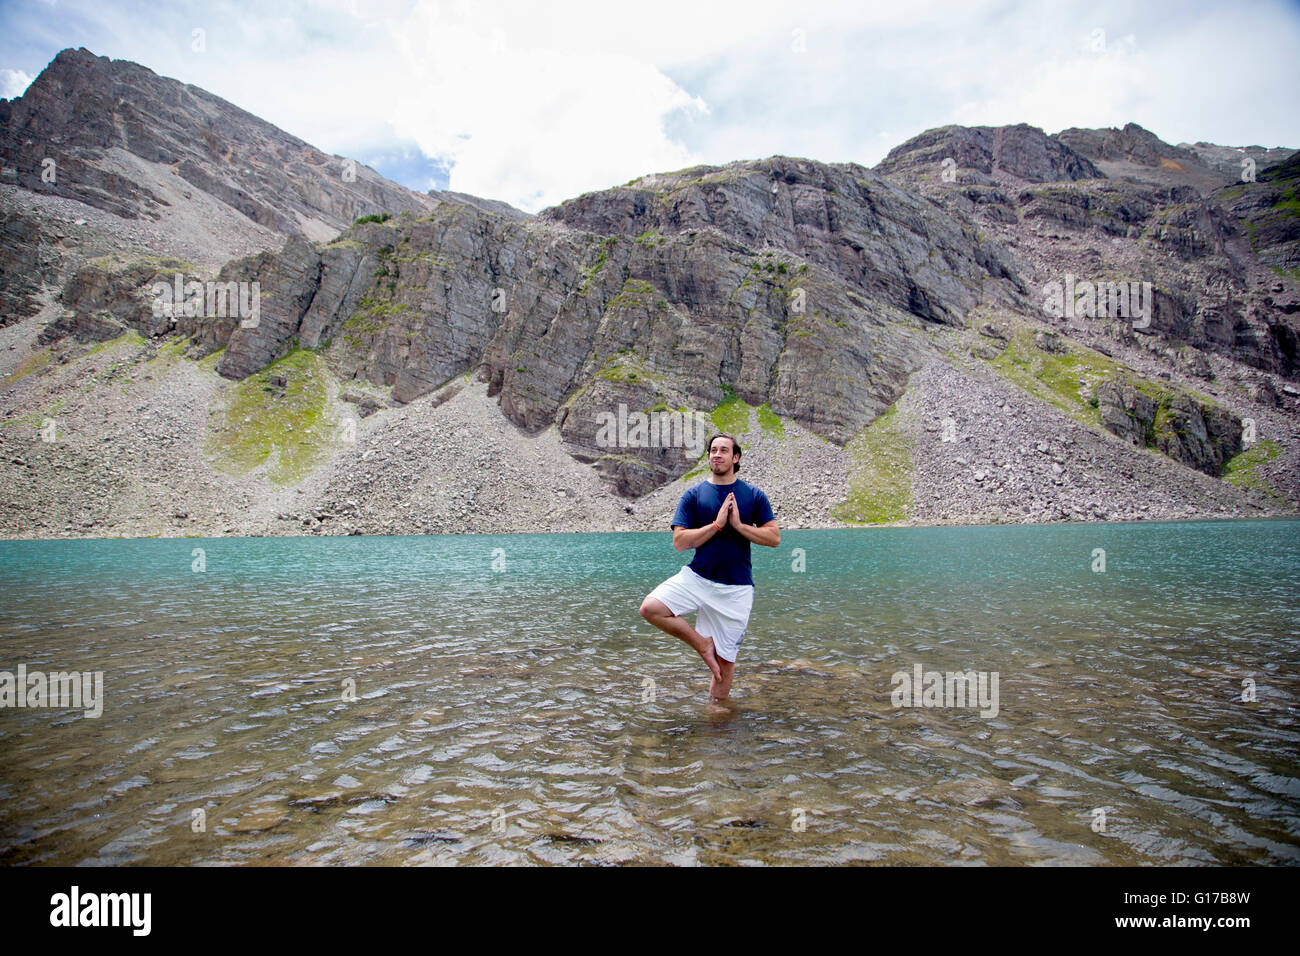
(498, 700)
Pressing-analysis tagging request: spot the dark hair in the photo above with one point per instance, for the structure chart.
(735, 446)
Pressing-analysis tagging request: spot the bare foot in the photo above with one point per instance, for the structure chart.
(710, 658)
(721, 707)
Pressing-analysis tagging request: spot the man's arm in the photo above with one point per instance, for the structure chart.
(769, 534)
(686, 538)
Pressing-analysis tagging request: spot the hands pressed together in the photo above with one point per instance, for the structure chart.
(729, 513)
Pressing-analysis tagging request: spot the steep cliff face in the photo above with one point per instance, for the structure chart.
(28, 261)
(1200, 434)
(1203, 257)
(799, 285)
(1269, 211)
(857, 226)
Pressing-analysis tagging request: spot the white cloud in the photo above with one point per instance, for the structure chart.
(13, 83)
(533, 125)
(1087, 86)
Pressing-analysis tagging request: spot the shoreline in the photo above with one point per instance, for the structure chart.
(843, 527)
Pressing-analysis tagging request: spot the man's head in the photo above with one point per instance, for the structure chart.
(724, 454)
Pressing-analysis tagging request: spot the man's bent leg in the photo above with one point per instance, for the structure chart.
(725, 622)
(658, 613)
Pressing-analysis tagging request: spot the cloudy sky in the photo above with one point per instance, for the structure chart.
(534, 102)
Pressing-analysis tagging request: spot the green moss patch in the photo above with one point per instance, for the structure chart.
(36, 419)
(1241, 469)
(770, 421)
(623, 366)
(171, 350)
(424, 255)
(33, 363)
(1055, 378)
(374, 313)
(635, 294)
(602, 256)
(1069, 382)
(880, 480)
(117, 368)
(288, 430)
(732, 414)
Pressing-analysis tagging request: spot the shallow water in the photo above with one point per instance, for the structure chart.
(512, 707)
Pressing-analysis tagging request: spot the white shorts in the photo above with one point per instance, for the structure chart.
(723, 608)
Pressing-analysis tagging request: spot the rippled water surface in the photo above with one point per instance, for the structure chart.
(510, 706)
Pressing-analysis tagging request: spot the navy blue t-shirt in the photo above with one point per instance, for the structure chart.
(724, 558)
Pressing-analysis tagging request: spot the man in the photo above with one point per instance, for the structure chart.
(718, 518)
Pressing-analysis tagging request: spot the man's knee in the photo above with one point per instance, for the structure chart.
(652, 608)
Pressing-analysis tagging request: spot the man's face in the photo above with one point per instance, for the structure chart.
(721, 457)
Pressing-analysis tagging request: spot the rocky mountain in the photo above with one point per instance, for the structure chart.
(1229, 160)
(981, 152)
(119, 137)
(993, 324)
(1137, 155)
